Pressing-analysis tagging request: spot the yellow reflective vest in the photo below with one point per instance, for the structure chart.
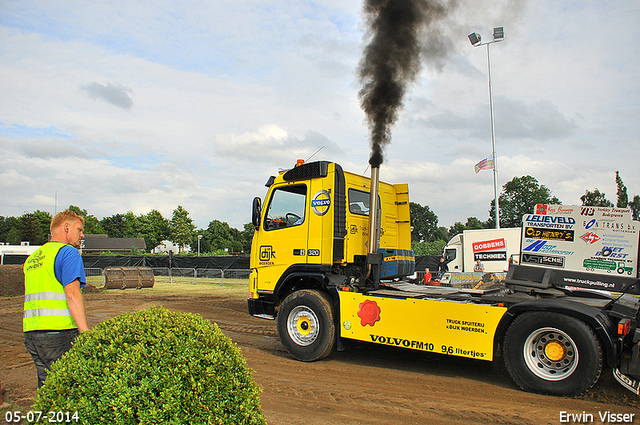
(45, 303)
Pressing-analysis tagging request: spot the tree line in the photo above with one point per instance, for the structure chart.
(517, 198)
(217, 239)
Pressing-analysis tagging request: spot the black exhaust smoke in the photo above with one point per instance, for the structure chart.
(390, 62)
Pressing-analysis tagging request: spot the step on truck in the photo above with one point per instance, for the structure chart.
(328, 260)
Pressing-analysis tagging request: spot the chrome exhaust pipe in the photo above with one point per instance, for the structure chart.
(374, 219)
(373, 257)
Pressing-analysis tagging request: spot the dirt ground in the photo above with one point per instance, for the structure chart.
(366, 384)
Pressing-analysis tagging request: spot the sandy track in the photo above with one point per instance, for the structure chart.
(366, 384)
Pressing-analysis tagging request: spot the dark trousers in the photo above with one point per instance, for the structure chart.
(46, 347)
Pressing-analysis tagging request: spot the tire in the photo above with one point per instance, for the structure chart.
(550, 353)
(306, 326)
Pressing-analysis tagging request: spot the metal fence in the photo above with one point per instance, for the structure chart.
(195, 276)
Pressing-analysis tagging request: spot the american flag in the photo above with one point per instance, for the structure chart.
(485, 164)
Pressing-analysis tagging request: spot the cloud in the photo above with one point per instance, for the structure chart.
(537, 120)
(272, 143)
(55, 148)
(514, 119)
(113, 93)
(123, 106)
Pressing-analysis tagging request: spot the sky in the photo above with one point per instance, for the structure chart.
(117, 106)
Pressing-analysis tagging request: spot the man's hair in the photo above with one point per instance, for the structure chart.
(66, 216)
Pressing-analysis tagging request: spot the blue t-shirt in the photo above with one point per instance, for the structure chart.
(69, 266)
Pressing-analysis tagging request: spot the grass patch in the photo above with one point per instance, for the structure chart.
(185, 285)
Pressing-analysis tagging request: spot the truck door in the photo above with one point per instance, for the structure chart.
(321, 207)
(282, 240)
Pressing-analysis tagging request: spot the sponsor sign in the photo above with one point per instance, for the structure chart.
(612, 225)
(489, 245)
(490, 250)
(590, 238)
(584, 239)
(545, 260)
(549, 234)
(607, 265)
(490, 256)
(544, 209)
(604, 212)
(537, 245)
(549, 221)
(612, 252)
(597, 212)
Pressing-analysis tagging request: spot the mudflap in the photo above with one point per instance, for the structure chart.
(629, 383)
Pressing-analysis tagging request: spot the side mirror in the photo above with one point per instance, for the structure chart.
(255, 213)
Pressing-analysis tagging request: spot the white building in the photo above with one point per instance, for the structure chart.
(166, 246)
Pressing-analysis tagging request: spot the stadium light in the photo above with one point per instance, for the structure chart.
(476, 41)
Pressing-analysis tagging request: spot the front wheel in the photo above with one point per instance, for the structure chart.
(305, 325)
(550, 353)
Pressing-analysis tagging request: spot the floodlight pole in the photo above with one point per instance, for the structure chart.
(493, 143)
(475, 39)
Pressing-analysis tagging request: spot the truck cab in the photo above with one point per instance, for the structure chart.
(312, 231)
(452, 254)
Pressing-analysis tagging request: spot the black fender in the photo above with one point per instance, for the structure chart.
(594, 316)
(310, 276)
(304, 276)
(295, 277)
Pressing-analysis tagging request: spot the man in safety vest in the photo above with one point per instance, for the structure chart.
(54, 313)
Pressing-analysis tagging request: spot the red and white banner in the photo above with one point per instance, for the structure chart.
(490, 245)
(544, 209)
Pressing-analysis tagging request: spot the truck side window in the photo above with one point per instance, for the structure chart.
(359, 202)
(286, 208)
(449, 255)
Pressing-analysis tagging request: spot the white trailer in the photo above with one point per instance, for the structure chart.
(493, 247)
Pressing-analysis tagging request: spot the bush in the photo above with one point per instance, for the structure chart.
(150, 367)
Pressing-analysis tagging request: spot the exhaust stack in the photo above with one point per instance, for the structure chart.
(374, 218)
(374, 258)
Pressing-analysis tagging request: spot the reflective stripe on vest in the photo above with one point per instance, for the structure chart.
(45, 296)
(47, 312)
(45, 302)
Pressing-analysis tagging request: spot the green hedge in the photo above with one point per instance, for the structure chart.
(153, 367)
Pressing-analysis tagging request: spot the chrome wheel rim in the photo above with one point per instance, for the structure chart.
(303, 325)
(550, 354)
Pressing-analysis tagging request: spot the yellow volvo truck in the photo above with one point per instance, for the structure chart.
(328, 259)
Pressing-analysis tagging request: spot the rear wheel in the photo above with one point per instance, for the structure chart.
(305, 325)
(551, 353)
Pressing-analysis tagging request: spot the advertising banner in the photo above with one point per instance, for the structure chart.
(589, 239)
(491, 250)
